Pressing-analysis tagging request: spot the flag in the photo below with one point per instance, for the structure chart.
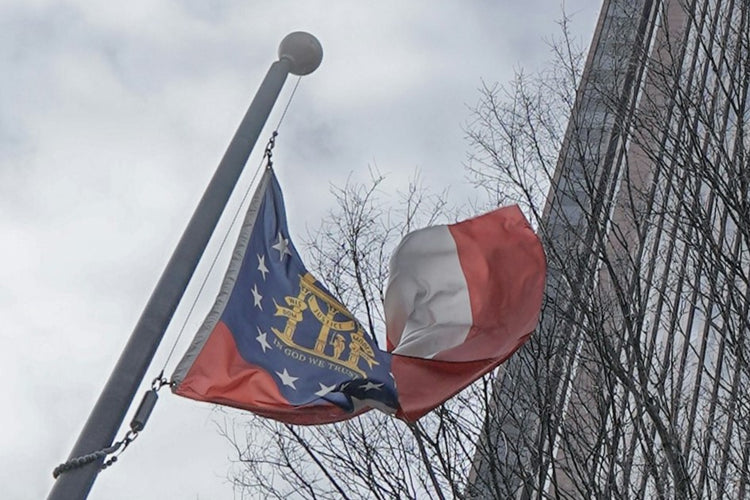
(460, 300)
(276, 342)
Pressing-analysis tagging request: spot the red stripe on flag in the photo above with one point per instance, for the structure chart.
(504, 265)
(423, 384)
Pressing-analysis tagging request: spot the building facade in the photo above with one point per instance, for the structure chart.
(637, 383)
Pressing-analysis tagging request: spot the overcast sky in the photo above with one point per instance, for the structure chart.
(113, 116)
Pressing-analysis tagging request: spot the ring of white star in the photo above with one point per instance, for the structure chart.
(262, 266)
(282, 246)
(261, 338)
(287, 379)
(324, 389)
(256, 297)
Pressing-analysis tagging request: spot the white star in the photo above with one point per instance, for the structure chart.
(370, 385)
(256, 297)
(324, 389)
(287, 379)
(262, 266)
(261, 338)
(282, 246)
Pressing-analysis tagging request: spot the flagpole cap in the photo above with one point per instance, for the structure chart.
(303, 51)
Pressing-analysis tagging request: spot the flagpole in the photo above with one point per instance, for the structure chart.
(299, 54)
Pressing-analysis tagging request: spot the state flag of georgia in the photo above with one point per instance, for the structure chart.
(461, 298)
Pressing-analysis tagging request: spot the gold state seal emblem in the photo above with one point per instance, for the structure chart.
(336, 334)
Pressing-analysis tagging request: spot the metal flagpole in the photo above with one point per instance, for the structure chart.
(300, 54)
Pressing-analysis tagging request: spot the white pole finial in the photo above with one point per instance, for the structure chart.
(303, 51)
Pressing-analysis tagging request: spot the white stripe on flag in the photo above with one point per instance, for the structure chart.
(427, 303)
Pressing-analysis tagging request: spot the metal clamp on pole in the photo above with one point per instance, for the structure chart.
(138, 423)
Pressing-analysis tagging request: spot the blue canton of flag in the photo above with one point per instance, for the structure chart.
(287, 323)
